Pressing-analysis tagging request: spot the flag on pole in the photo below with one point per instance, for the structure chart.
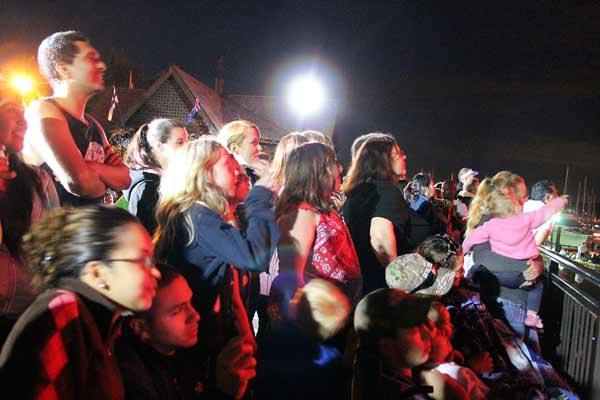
(131, 80)
(195, 110)
(113, 104)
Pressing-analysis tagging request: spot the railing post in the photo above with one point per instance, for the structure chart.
(557, 246)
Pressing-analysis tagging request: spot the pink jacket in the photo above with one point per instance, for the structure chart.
(513, 237)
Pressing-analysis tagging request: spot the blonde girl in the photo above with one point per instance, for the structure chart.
(242, 139)
(198, 195)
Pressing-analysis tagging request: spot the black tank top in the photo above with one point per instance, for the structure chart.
(88, 140)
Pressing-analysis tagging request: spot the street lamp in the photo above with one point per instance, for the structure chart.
(306, 95)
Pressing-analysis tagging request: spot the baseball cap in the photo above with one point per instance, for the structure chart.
(412, 273)
(465, 173)
(383, 310)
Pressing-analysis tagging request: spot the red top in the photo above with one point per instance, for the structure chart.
(333, 255)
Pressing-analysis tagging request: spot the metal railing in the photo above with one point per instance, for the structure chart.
(572, 301)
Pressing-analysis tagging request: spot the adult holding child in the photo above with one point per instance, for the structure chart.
(510, 234)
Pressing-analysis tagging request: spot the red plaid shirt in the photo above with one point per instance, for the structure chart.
(61, 347)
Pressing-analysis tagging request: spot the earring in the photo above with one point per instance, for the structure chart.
(103, 286)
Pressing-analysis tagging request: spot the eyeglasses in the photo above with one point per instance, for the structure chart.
(147, 262)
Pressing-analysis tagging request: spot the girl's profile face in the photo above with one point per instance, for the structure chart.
(177, 138)
(398, 162)
(226, 173)
(250, 148)
(338, 170)
(132, 275)
(12, 125)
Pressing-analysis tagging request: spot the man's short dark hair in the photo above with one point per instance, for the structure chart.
(168, 274)
(58, 48)
(541, 189)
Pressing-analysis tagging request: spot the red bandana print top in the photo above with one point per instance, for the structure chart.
(333, 255)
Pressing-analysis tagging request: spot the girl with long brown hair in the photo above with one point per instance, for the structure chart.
(315, 242)
(24, 199)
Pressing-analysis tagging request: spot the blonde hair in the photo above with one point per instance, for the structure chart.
(320, 309)
(285, 146)
(495, 197)
(187, 180)
(235, 132)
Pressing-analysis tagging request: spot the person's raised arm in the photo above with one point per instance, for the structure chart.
(478, 235)
(538, 217)
(298, 230)
(383, 240)
(250, 250)
(49, 135)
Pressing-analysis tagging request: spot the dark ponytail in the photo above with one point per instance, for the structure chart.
(140, 153)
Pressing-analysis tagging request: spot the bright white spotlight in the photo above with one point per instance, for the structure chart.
(23, 83)
(306, 95)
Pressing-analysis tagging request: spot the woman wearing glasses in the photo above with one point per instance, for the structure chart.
(93, 265)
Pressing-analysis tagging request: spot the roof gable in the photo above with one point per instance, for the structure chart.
(173, 96)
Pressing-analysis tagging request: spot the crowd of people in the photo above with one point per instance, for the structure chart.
(365, 284)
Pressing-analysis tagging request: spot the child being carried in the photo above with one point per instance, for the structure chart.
(509, 232)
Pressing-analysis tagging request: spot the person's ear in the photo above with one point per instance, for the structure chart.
(63, 71)
(97, 275)
(234, 148)
(141, 328)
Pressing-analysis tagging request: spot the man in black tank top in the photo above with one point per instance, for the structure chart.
(61, 137)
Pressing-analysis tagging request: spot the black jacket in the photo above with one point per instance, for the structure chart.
(150, 375)
(142, 196)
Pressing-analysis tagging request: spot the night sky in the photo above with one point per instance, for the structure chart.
(509, 86)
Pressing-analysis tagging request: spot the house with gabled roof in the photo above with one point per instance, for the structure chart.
(174, 94)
